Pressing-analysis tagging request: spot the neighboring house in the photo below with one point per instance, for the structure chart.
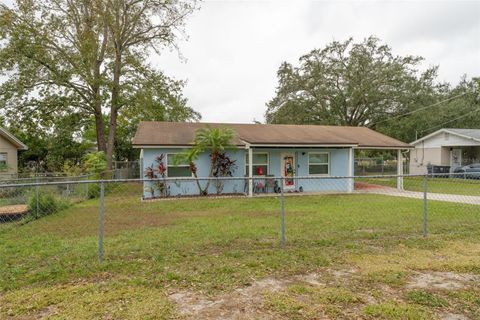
(9, 146)
(449, 148)
(274, 150)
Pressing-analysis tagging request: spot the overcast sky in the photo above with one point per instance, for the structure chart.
(235, 47)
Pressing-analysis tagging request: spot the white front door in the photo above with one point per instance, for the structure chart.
(288, 170)
(455, 159)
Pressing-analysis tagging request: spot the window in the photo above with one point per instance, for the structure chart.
(260, 164)
(176, 168)
(3, 160)
(319, 163)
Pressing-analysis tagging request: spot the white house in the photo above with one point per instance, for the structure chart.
(451, 148)
(9, 146)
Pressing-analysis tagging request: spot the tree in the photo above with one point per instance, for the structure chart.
(54, 55)
(349, 83)
(82, 56)
(457, 107)
(155, 97)
(134, 27)
(216, 140)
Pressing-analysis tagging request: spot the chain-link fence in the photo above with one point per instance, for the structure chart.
(47, 178)
(123, 219)
(378, 166)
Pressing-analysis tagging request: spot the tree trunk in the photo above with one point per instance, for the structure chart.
(115, 106)
(210, 174)
(99, 124)
(112, 129)
(200, 189)
(100, 130)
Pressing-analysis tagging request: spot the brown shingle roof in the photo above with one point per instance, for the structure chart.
(151, 133)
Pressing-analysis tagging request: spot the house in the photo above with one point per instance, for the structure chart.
(273, 150)
(9, 146)
(448, 148)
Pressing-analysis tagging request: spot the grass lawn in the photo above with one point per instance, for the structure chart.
(346, 256)
(434, 185)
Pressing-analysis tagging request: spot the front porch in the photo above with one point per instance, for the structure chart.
(460, 156)
(298, 170)
(292, 168)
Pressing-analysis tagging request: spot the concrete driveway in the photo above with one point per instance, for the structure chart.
(388, 191)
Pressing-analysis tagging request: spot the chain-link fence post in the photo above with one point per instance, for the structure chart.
(282, 203)
(425, 205)
(36, 198)
(100, 226)
(86, 188)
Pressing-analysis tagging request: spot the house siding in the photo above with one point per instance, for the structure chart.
(340, 165)
(11, 151)
(203, 167)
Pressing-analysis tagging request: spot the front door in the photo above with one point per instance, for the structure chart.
(288, 170)
(455, 159)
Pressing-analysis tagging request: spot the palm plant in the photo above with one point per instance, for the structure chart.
(217, 140)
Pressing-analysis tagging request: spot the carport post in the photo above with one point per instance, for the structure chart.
(399, 170)
(282, 203)
(351, 165)
(250, 171)
(425, 231)
(100, 226)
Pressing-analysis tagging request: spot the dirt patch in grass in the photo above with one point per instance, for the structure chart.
(442, 280)
(334, 294)
(452, 316)
(241, 303)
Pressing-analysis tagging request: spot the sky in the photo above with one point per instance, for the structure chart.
(235, 48)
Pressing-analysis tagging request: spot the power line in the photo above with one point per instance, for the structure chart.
(449, 121)
(420, 109)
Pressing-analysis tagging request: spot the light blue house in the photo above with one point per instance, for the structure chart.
(295, 152)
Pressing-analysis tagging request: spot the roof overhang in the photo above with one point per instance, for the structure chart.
(384, 148)
(12, 139)
(445, 131)
(164, 146)
(278, 145)
(263, 145)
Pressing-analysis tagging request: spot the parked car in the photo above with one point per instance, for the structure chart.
(472, 171)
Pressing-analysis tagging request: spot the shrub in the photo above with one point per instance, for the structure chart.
(93, 191)
(72, 169)
(47, 204)
(95, 163)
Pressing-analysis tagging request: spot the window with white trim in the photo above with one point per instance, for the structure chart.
(318, 163)
(177, 168)
(260, 163)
